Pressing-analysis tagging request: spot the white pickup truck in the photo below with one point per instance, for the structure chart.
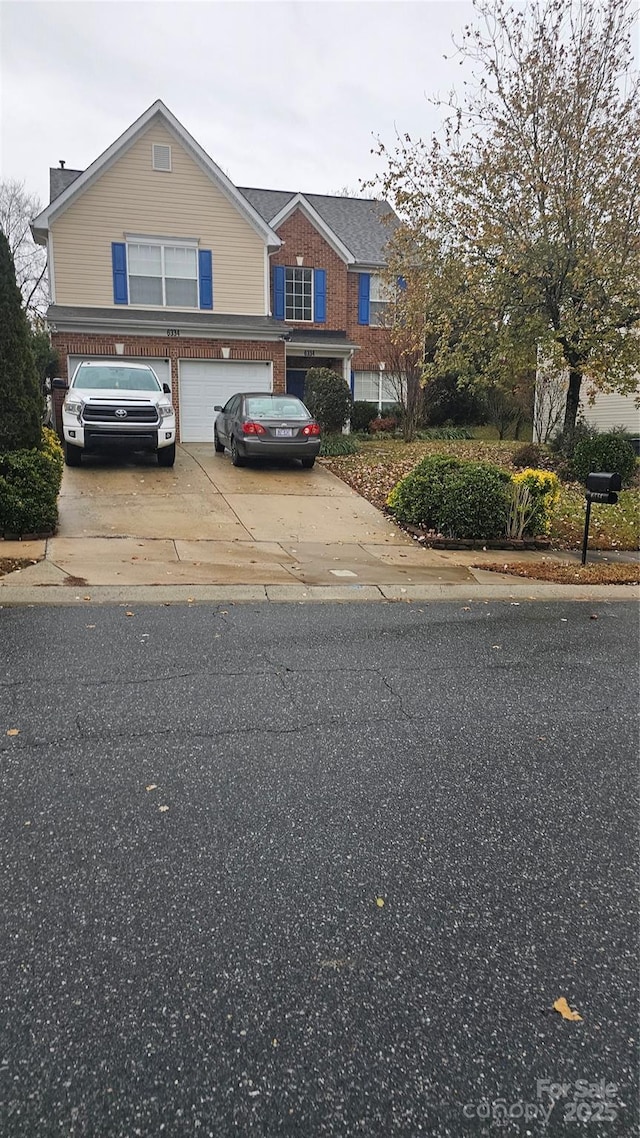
(117, 406)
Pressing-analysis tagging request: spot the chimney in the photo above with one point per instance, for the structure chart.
(61, 161)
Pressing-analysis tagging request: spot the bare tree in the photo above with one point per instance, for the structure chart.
(17, 210)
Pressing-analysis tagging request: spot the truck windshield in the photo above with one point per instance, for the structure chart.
(115, 378)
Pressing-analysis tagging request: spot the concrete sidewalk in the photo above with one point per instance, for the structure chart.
(207, 530)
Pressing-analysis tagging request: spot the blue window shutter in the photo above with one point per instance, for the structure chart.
(205, 271)
(364, 290)
(119, 265)
(320, 296)
(278, 292)
(402, 284)
(353, 384)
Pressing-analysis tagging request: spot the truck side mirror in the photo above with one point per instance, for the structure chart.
(166, 389)
(60, 384)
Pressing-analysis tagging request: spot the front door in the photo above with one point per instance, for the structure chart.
(295, 381)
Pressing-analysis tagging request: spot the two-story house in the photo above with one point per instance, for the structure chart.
(153, 253)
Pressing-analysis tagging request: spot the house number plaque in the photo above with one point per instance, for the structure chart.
(173, 331)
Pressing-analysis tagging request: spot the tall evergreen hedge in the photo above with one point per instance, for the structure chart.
(20, 397)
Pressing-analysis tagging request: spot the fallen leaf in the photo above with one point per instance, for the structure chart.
(163, 809)
(466, 608)
(190, 600)
(13, 731)
(380, 902)
(129, 614)
(594, 616)
(563, 619)
(496, 645)
(90, 626)
(562, 1006)
(86, 598)
(152, 786)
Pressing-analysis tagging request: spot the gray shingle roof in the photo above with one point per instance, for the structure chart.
(358, 222)
(59, 180)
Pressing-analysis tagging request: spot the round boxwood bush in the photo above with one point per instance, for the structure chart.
(418, 497)
(328, 397)
(611, 452)
(455, 498)
(476, 502)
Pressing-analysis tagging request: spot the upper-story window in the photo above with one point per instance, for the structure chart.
(298, 294)
(380, 298)
(163, 275)
(377, 298)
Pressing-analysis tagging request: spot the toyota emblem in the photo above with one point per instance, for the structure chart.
(121, 413)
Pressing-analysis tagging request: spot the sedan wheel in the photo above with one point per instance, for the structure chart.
(236, 458)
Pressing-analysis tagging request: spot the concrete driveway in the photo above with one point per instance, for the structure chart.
(128, 522)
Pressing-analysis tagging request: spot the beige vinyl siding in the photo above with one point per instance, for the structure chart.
(132, 197)
(610, 410)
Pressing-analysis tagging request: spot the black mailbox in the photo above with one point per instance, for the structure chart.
(601, 487)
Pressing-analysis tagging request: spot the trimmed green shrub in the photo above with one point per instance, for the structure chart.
(476, 502)
(455, 498)
(419, 496)
(328, 397)
(612, 452)
(362, 414)
(333, 446)
(29, 487)
(21, 401)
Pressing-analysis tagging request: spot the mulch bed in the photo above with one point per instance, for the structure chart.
(10, 564)
(568, 572)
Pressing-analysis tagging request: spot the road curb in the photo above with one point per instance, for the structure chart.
(519, 590)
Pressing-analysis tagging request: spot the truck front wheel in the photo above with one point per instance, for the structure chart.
(167, 455)
(72, 455)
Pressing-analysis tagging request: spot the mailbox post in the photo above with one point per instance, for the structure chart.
(600, 487)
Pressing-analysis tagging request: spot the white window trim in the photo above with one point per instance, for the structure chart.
(184, 242)
(301, 319)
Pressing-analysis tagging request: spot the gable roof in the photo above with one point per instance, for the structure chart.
(362, 225)
(157, 110)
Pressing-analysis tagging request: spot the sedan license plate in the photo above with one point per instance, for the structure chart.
(284, 432)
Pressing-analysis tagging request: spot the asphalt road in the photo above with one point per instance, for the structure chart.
(318, 870)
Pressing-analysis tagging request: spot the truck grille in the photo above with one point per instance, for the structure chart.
(107, 413)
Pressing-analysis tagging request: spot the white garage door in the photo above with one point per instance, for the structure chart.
(204, 383)
(162, 368)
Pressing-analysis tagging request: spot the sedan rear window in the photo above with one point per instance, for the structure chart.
(118, 378)
(275, 407)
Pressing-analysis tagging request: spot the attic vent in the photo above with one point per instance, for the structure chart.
(161, 157)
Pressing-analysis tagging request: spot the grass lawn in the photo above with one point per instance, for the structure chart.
(382, 462)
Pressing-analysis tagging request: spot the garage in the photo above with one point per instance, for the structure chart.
(161, 367)
(205, 383)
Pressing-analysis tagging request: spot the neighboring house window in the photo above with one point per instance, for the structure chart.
(298, 294)
(163, 275)
(366, 386)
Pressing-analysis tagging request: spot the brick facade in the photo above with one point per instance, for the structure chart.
(301, 238)
(174, 349)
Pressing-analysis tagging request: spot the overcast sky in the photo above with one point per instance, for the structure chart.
(283, 95)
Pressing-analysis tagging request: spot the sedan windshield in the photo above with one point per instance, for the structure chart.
(116, 378)
(275, 407)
